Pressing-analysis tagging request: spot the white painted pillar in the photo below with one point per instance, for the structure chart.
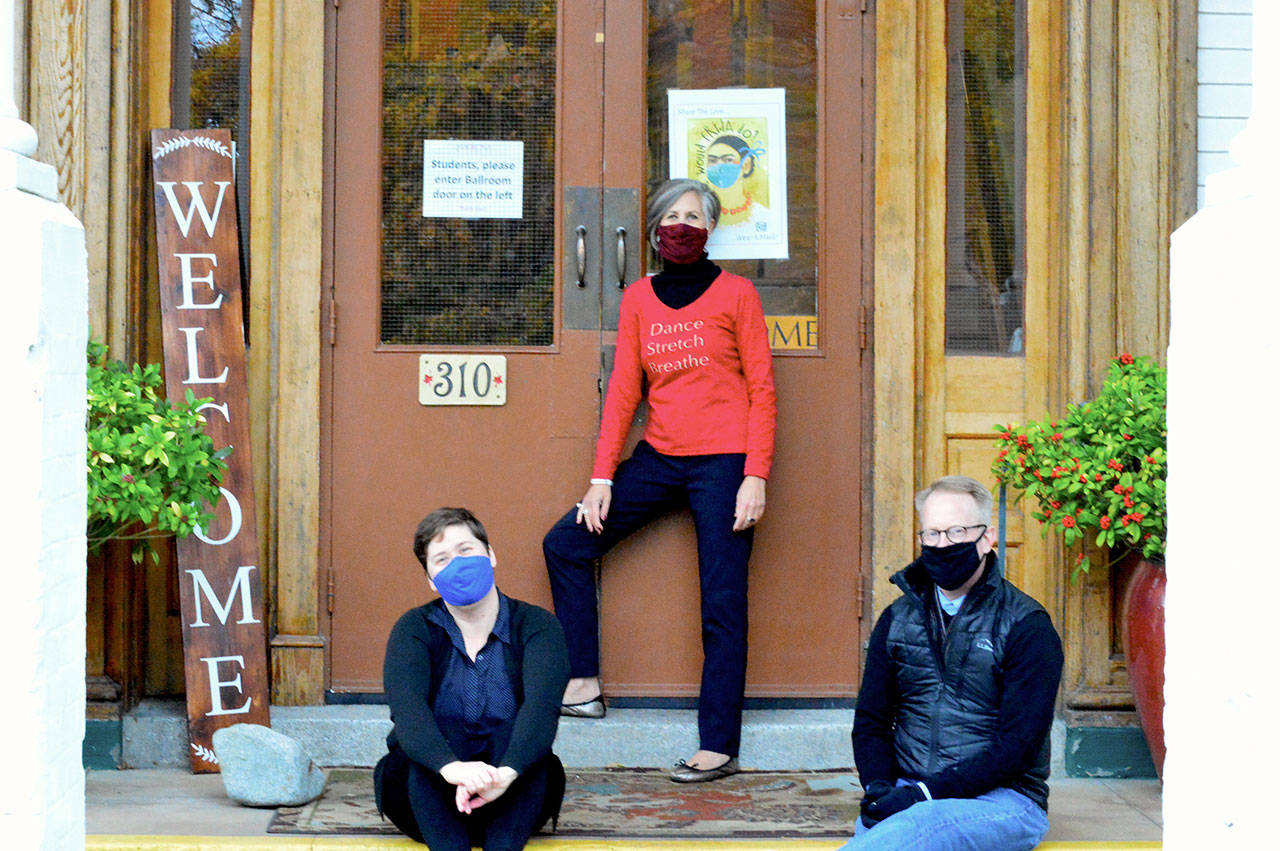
(15, 134)
(43, 326)
(1222, 692)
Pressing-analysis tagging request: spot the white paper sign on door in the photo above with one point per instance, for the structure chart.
(472, 179)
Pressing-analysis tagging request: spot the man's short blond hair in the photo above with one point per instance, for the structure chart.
(963, 485)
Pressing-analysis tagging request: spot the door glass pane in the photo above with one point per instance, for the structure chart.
(711, 44)
(468, 70)
(986, 144)
(210, 86)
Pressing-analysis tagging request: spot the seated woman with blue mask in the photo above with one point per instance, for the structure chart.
(474, 682)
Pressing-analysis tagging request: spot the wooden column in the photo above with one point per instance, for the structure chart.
(900, 154)
(287, 174)
(1127, 181)
(1110, 171)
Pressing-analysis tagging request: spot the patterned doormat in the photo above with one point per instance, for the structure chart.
(632, 803)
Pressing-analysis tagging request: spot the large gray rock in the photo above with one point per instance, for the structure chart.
(263, 768)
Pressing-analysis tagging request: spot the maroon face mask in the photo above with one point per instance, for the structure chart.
(681, 243)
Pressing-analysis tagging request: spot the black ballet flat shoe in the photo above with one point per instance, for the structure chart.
(593, 708)
(686, 773)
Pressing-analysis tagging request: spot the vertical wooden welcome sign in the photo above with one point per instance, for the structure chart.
(222, 605)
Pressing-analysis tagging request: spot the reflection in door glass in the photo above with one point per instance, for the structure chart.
(709, 44)
(210, 85)
(468, 70)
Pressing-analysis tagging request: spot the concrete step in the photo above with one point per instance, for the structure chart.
(154, 736)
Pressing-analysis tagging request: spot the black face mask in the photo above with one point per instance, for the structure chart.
(951, 566)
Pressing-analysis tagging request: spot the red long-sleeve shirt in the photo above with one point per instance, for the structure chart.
(709, 371)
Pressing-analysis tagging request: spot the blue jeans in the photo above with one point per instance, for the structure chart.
(999, 820)
(646, 486)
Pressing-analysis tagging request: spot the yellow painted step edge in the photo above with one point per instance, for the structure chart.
(325, 843)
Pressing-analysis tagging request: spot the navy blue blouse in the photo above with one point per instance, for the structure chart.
(477, 695)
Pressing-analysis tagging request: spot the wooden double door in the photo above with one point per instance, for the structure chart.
(466, 263)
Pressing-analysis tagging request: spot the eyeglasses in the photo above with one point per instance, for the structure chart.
(954, 535)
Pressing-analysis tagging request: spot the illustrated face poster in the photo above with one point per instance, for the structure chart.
(735, 141)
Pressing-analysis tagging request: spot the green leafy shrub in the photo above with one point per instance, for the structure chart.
(1100, 470)
(152, 470)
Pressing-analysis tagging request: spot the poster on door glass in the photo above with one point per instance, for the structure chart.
(735, 141)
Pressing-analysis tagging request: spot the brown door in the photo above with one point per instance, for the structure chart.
(435, 269)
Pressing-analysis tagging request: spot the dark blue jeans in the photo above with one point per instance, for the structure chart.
(646, 486)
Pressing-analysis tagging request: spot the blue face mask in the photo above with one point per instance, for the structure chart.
(465, 580)
(724, 175)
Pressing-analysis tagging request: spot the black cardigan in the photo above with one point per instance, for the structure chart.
(417, 653)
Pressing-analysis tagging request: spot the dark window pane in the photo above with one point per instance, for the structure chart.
(467, 70)
(709, 44)
(210, 87)
(986, 143)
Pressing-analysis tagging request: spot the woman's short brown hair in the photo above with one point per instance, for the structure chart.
(434, 524)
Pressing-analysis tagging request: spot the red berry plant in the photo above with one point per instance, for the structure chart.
(1099, 471)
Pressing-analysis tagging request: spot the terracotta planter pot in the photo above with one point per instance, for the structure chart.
(1143, 639)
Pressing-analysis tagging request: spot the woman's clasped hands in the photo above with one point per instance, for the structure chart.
(478, 782)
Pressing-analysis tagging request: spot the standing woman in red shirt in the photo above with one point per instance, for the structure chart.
(695, 335)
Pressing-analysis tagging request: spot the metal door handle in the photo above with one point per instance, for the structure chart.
(622, 258)
(581, 255)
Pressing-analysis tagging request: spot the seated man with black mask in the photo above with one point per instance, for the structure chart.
(951, 735)
(474, 682)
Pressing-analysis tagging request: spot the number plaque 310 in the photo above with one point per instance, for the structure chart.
(454, 379)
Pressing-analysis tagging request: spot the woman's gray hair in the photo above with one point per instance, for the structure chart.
(668, 193)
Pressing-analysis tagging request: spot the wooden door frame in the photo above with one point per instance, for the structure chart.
(289, 227)
(1104, 189)
(293, 162)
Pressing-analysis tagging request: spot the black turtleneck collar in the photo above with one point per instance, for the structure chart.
(680, 284)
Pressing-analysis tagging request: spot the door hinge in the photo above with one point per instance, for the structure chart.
(333, 321)
(331, 594)
(864, 324)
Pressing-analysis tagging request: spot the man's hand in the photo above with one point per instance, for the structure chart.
(876, 789)
(894, 801)
(873, 791)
